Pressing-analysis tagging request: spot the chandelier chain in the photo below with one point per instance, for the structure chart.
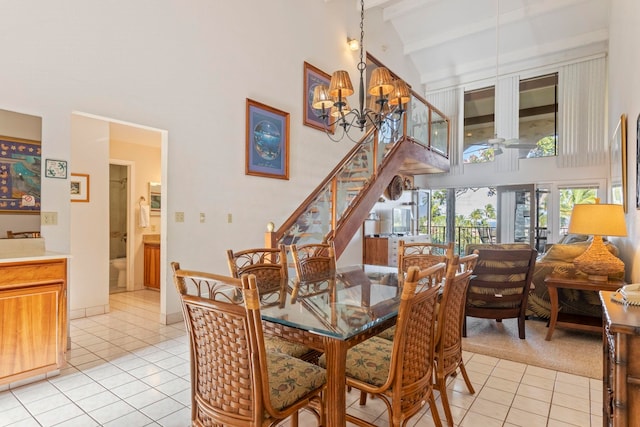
(361, 32)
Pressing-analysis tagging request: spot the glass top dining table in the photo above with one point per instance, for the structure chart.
(331, 315)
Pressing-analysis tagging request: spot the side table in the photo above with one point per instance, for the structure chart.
(575, 321)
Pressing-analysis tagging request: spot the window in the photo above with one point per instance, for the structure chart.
(538, 116)
(573, 196)
(479, 126)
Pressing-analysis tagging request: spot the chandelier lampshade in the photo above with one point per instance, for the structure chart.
(340, 86)
(321, 98)
(400, 94)
(381, 82)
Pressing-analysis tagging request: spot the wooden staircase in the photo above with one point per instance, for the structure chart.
(336, 209)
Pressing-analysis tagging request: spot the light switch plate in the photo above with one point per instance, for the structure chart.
(49, 218)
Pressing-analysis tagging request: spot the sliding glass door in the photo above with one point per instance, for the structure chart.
(517, 214)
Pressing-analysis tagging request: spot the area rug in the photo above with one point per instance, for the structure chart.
(569, 351)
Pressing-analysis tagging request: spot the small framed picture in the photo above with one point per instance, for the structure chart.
(155, 198)
(79, 187)
(313, 77)
(267, 145)
(55, 168)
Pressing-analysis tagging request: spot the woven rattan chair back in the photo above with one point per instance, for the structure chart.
(421, 255)
(314, 261)
(269, 265)
(410, 382)
(500, 285)
(448, 350)
(467, 263)
(229, 371)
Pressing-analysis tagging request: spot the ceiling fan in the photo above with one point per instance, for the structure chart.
(500, 144)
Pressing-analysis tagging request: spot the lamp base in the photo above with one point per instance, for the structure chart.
(597, 262)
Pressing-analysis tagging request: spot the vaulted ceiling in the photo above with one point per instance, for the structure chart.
(455, 41)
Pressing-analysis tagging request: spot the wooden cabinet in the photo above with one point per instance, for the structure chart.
(376, 251)
(621, 363)
(152, 265)
(33, 318)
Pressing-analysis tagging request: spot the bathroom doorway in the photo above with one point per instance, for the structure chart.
(119, 175)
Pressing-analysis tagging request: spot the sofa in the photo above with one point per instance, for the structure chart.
(558, 260)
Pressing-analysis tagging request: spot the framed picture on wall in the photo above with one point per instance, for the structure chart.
(267, 141)
(618, 156)
(79, 187)
(313, 77)
(20, 166)
(55, 168)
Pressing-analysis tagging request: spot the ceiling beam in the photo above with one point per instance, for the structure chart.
(519, 15)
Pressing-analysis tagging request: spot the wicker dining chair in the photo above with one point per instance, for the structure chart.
(448, 350)
(421, 255)
(235, 381)
(314, 261)
(22, 234)
(269, 266)
(400, 372)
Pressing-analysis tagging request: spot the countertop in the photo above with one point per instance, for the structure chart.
(151, 238)
(20, 250)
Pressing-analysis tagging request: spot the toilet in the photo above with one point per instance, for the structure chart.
(120, 264)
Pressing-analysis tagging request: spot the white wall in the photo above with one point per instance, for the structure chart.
(186, 67)
(624, 98)
(89, 283)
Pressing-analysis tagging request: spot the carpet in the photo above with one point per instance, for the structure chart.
(569, 350)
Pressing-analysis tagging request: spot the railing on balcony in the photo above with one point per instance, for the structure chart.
(321, 213)
(482, 234)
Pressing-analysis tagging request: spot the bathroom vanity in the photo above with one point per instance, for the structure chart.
(151, 244)
(33, 311)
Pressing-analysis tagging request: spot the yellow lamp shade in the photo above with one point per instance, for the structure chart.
(598, 220)
(321, 98)
(340, 85)
(381, 82)
(400, 94)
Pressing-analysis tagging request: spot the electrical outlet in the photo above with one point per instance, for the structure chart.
(49, 218)
(202, 217)
(229, 218)
(179, 216)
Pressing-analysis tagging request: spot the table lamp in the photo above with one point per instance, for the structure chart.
(598, 220)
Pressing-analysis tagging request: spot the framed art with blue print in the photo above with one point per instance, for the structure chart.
(313, 77)
(20, 175)
(267, 141)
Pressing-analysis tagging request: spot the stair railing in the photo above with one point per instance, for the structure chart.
(321, 213)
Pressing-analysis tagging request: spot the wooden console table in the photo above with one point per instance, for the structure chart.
(575, 321)
(621, 363)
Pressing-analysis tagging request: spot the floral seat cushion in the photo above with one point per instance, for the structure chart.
(368, 361)
(291, 378)
(281, 345)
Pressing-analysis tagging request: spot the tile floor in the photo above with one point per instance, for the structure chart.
(124, 369)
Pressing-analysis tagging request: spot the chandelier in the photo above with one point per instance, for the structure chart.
(386, 104)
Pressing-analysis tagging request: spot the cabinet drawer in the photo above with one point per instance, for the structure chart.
(30, 273)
